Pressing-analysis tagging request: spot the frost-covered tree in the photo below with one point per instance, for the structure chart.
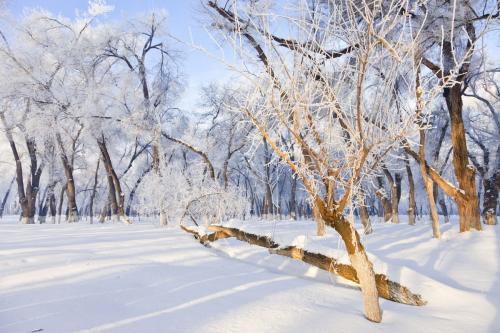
(327, 86)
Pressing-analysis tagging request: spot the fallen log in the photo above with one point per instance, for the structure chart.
(206, 239)
(387, 289)
(243, 236)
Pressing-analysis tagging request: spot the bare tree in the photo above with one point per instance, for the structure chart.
(337, 137)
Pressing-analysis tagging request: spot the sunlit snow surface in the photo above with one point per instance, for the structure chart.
(144, 278)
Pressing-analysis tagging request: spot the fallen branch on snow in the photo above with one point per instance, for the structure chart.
(387, 289)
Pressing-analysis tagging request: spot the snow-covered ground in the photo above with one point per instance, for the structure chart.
(143, 278)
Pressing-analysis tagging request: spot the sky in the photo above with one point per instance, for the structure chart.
(185, 23)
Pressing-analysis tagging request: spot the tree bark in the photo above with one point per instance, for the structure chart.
(70, 183)
(33, 185)
(134, 189)
(116, 195)
(490, 200)
(43, 207)
(387, 289)
(468, 209)
(386, 203)
(468, 203)
(444, 210)
(412, 205)
(320, 224)
(6, 197)
(92, 195)
(436, 233)
(59, 206)
(394, 194)
(293, 197)
(27, 198)
(363, 213)
(360, 262)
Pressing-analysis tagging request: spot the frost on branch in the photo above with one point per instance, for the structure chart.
(99, 7)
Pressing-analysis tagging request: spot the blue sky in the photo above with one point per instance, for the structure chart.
(184, 23)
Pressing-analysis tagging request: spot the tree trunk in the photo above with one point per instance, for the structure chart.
(116, 194)
(156, 165)
(6, 197)
(386, 203)
(360, 262)
(412, 205)
(293, 197)
(363, 213)
(59, 207)
(43, 206)
(320, 223)
(52, 203)
(387, 289)
(444, 210)
(24, 197)
(394, 195)
(267, 205)
(490, 200)
(436, 233)
(428, 185)
(468, 209)
(70, 183)
(92, 195)
(134, 189)
(71, 195)
(33, 185)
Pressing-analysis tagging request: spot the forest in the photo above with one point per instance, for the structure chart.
(345, 163)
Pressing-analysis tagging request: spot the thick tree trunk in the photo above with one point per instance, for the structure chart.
(360, 262)
(320, 223)
(357, 255)
(468, 209)
(490, 200)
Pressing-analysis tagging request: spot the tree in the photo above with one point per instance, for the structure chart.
(320, 99)
(143, 52)
(456, 25)
(484, 134)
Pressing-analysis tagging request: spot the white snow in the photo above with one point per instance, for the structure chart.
(144, 278)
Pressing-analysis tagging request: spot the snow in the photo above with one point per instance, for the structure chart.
(144, 278)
